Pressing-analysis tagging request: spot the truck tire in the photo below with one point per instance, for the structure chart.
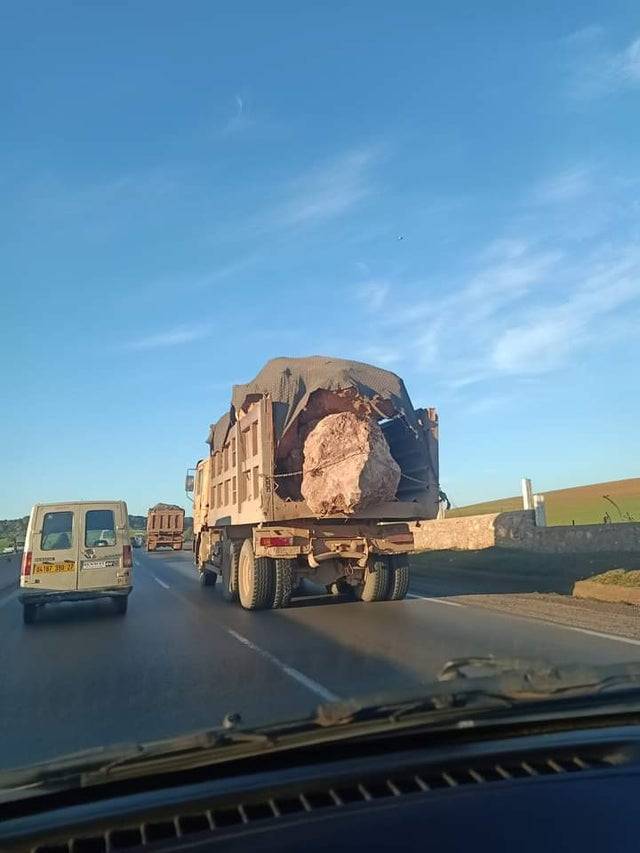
(399, 578)
(256, 579)
(29, 612)
(208, 578)
(376, 580)
(229, 573)
(284, 582)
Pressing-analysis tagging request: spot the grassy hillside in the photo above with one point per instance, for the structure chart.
(582, 504)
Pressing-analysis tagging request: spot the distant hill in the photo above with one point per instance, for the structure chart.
(581, 504)
(12, 529)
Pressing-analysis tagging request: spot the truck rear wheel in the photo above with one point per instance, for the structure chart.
(256, 579)
(208, 578)
(376, 580)
(229, 574)
(284, 582)
(399, 578)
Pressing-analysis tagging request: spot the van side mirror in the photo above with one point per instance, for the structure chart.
(188, 483)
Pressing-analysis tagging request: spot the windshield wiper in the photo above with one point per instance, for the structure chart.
(488, 683)
(96, 765)
(204, 741)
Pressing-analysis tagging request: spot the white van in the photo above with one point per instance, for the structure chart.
(76, 551)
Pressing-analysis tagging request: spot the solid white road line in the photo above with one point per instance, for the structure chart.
(435, 600)
(162, 583)
(298, 676)
(615, 637)
(600, 634)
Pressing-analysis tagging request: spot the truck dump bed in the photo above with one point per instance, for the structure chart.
(165, 527)
(254, 472)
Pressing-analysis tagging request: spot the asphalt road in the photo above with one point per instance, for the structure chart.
(182, 658)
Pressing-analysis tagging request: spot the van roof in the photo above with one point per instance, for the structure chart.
(78, 503)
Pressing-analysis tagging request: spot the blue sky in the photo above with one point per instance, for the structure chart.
(448, 190)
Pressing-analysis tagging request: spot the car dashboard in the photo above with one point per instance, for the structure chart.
(533, 790)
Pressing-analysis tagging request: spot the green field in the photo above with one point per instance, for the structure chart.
(579, 505)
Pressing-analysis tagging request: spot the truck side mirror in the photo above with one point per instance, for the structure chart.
(188, 483)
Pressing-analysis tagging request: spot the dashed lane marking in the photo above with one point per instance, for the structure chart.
(293, 673)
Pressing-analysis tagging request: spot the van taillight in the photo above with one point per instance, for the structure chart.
(126, 556)
(26, 563)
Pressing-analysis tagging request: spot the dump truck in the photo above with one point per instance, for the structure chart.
(321, 469)
(165, 527)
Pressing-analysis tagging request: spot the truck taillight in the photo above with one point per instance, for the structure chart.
(26, 563)
(276, 541)
(126, 556)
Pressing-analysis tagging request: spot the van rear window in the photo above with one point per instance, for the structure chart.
(99, 528)
(57, 531)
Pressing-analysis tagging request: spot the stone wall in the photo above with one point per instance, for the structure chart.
(517, 530)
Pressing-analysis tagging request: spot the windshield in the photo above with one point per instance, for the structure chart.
(320, 350)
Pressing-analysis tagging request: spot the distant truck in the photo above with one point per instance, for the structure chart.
(252, 525)
(165, 527)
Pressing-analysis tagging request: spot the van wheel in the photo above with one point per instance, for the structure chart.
(399, 578)
(208, 578)
(256, 579)
(229, 574)
(284, 583)
(120, 603)
(29, 612)
(376, 580)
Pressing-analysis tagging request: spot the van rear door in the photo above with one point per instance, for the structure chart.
(54, 543)
(102, 544)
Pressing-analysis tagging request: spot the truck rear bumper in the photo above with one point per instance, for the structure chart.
(39, 597)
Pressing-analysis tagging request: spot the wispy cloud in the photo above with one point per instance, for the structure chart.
(386, 356)
(241, 119)
(373, 294)
(527, 309)
(595, 68)
(55, 199)
(329, 190)
(545, 337)
(566, 186)
(169, 338)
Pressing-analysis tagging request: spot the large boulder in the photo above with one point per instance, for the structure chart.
(347, 465)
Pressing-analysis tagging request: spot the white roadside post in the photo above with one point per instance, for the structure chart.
(527, 493)
(540, 511)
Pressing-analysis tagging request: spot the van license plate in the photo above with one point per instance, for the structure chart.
(50, 568)
(99, 564)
